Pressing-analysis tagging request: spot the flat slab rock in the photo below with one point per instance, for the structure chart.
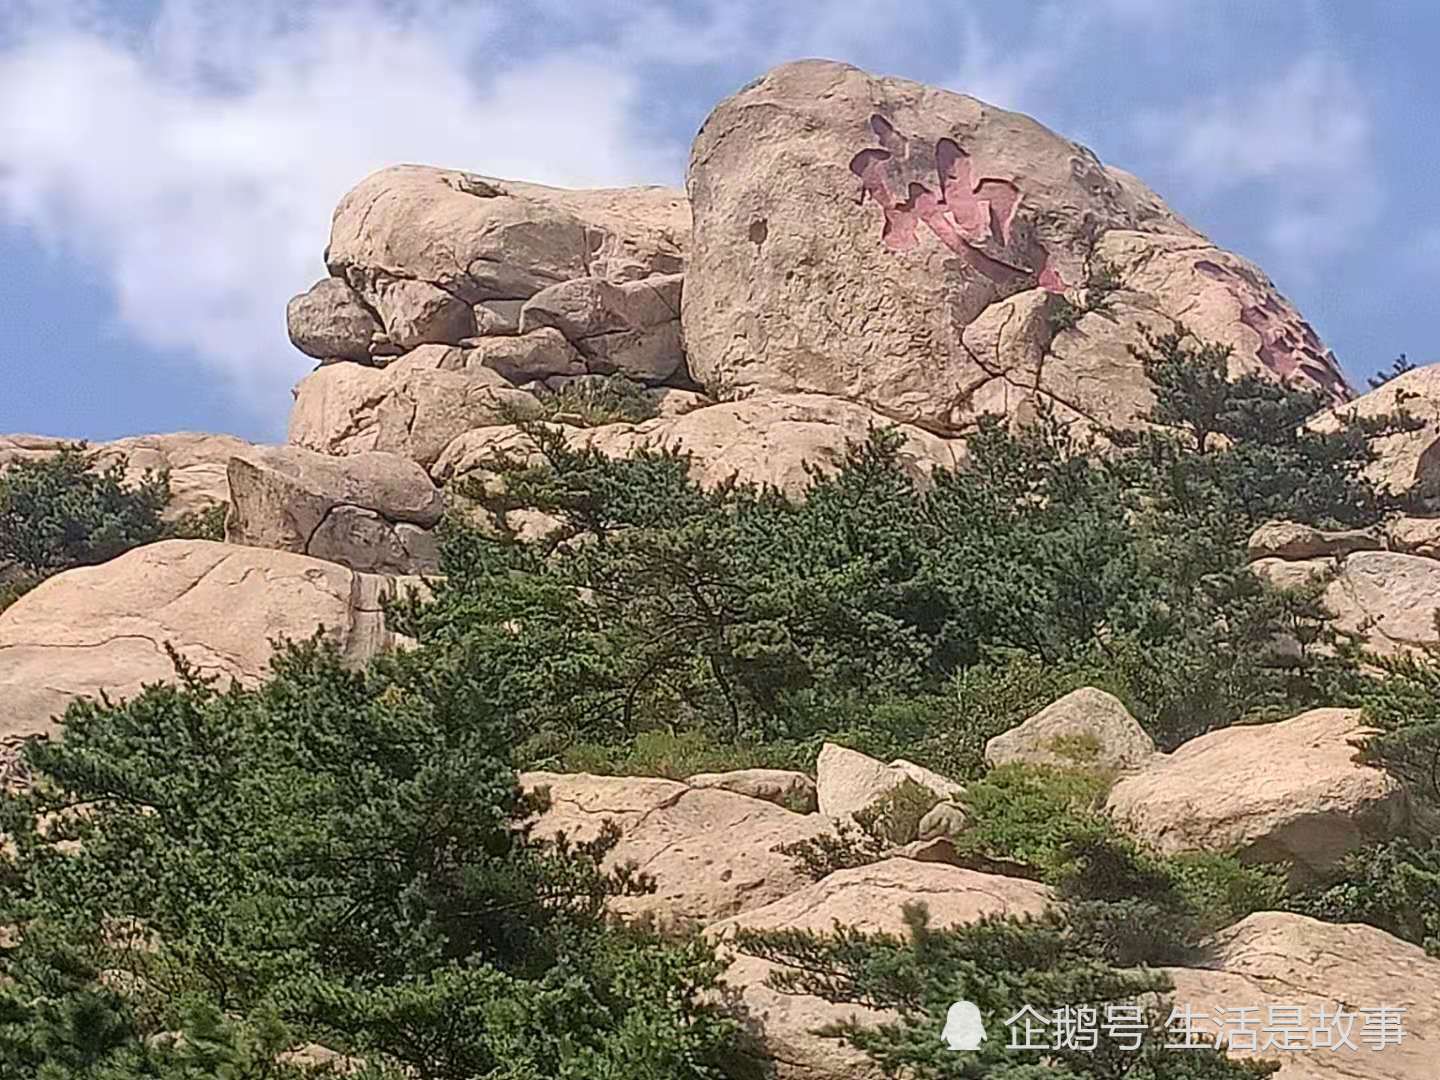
(709, 850)
(1277, 959)
(104, 628)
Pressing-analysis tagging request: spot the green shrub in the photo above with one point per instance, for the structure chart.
(591, 403)
(1394, 886)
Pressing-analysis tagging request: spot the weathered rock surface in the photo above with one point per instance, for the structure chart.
(1292, 540)
(1086, 727)
(762, 440)
(632, 329)
(104, 628)
(1385, 599)
(848, 781)
(1287, 792)
(1414, 536)
(479, 239)
(868, 898)
(520, 358)
(196, 462)
(371, 511)
(793, 790)
(905, 247)
(1274, 959)
(413, 407)
(331, 322)
(709, 850)
(1407, 462)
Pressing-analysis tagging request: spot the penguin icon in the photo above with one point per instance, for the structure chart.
(964, 1029)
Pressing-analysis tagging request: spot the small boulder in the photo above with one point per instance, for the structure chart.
(710, 851)
(793, 790)
(632, 328)
(944, 819)
(1414, 536)
(1287, 792)
(331, 322)
(1085, 728)
(538, 354)
(848, 781)
(419, 313)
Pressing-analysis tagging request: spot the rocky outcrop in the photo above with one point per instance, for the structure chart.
(414, 407)
(372, 511)
(1287, 792)
(1407, 459)
(710, 851)
(195, 461)
(421, 256)
(936, 258)
(1086, 727)
(763, 440)
(1291, 540)
(104, 629)
(868, 898)
(848, 781)
(792, 790)
(1337, 977)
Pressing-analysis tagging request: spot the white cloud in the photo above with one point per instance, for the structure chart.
(1302, 142)
(196, 162)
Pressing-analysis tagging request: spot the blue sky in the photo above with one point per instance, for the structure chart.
(168, 167)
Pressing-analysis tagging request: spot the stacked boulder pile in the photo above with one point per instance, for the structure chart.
(851, 252)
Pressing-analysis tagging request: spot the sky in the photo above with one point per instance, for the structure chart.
(168, 167)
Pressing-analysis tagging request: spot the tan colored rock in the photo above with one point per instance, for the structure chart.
(196, 462)
(413, 407)
(709, 850)
(345, 509)
(672, 402)
(849, 781)
(1385, 599)
(538, 354)
(850, 231)
(793, 790)
(1087, 727)
(480, 238)
(331, 322)
(869, 898)
(498, 317)
(632, 329)
(1407, 462)
(1287, 792)
(763, 440)
(944, 819)
(419, 313)
(1414, 536)
(1292, 540)
(104, 628)
(1276, 959)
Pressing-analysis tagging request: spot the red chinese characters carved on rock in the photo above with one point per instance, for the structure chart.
(973, 216)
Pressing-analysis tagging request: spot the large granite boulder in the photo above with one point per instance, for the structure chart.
(1085, 728)
(104, 629)
(762, 440)
(1288, 792)
(330, 321)
(710, 851)
(1323, 982)
(371, 511)
(930, 256)
(413, 407)
(868, 898)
